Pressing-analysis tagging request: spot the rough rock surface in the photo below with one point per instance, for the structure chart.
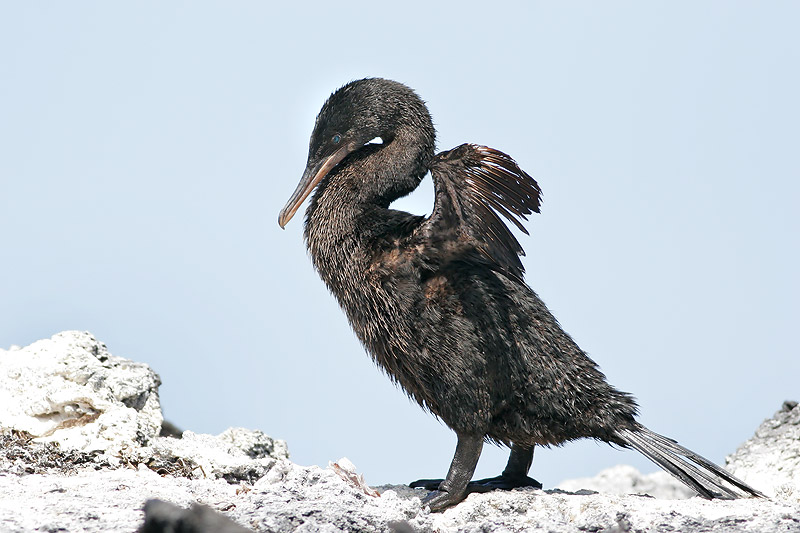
(69, 389)
(247, 477)
(625, 479)
(771, 459)
(235, 455)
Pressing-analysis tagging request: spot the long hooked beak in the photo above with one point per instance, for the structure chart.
(311, 177)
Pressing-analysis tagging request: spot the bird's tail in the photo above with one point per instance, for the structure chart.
(709, 480)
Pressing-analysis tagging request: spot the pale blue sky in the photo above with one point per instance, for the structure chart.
(146, 149)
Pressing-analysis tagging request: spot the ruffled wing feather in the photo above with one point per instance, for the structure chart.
(475, 186)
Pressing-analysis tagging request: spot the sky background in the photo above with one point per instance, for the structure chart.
(146, 149)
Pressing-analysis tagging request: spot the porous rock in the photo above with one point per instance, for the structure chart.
(244, 477)
(235, 455)
(771, 458)
(625, 479)
(70, 389)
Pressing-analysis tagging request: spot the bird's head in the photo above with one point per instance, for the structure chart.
(354, 115)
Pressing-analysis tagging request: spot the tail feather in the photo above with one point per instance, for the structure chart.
(707, 479)
(705, 463)
(680, 468)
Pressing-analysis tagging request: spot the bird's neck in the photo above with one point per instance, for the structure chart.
(369, 178)
(349, 210)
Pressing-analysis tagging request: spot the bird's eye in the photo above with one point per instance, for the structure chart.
(336, 139)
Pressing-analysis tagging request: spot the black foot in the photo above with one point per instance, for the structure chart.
(452, 489)
(439, 500)
(502, 483)
(439, 497)
(427, 484)
(482, 485)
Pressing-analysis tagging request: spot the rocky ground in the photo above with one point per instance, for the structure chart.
(81, 449)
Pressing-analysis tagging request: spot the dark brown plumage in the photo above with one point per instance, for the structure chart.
(440, 302)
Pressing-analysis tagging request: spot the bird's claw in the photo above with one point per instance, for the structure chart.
(438, 500)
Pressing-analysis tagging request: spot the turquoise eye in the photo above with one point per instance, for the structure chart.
(336, 139)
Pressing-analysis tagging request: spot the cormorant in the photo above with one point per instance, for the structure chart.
(440, 303)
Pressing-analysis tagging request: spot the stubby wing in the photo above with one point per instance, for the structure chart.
(475, 186)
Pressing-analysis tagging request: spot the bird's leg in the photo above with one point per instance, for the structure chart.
(514, 476)
(454, 487)
(519, 461)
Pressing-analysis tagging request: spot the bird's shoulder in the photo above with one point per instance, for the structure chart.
(474, 187)
(390, 237)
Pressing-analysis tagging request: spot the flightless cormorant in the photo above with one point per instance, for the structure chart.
(440, 303)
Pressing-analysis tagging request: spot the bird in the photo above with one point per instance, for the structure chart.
(440, 302)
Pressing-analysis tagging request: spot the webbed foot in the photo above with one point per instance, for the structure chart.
(502, 482)
(439, 500)
(482, 485)
(450, 491)
(427, 484)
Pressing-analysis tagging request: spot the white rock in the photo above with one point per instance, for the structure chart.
(237, 455)
(247, 476)
(345, 469)
(71, 390)
(313, 499)
(625, 479)
(770, 460)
